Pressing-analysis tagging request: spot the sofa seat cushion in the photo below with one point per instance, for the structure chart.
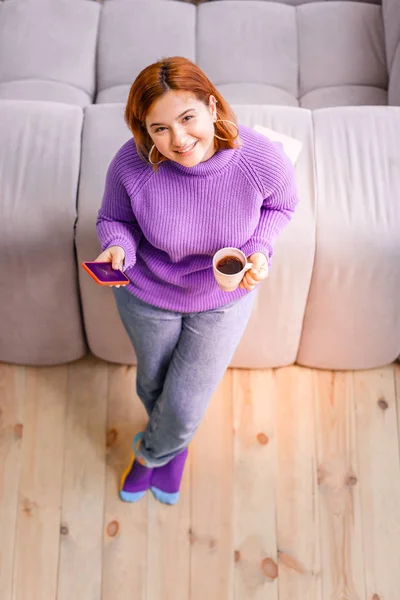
(40, 149)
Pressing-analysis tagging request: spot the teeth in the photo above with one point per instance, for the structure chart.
(187, 149)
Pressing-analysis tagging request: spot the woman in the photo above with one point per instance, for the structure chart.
(189, 183)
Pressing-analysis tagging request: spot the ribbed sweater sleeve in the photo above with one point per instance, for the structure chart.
(116, 223)
(279, 189)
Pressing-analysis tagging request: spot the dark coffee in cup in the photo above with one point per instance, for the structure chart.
(229, 265)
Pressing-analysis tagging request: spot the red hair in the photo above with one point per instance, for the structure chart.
(178, 74)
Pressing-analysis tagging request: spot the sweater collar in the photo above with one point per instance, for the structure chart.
(217, 163)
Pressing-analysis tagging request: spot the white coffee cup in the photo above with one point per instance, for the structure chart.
(229, 283)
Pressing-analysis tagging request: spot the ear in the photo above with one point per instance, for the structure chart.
(212, 106)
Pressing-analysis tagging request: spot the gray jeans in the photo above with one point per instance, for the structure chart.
(181, 359)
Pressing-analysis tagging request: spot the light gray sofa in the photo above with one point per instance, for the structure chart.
(327, 73)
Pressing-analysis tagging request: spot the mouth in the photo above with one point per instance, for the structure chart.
(187, 150)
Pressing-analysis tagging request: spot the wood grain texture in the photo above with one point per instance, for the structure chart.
(298, 502)
(40, 486)
(83, 481)
(211, 534)
(125, 537)
(337, 479)
(397, 392)
(12, 400)
(291, 490)
(255, 545)
(379, 469)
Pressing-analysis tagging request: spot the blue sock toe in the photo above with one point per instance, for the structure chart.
(131, 496)
(165, 497)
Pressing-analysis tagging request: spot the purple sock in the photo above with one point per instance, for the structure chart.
(166, 480)
(138, 478)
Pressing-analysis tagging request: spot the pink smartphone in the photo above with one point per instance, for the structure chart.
(104, 274)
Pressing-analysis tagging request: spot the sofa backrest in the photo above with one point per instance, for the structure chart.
(258, 51)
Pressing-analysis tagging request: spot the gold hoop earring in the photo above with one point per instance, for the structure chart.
(226, 139)
(149, 156)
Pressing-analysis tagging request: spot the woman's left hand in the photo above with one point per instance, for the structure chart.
(257, 273)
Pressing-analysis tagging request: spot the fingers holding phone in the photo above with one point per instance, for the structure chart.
(106, 268)
(113, 254)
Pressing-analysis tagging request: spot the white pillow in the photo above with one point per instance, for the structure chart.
(291, 146)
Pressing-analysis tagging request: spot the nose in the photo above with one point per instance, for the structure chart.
(179, 138)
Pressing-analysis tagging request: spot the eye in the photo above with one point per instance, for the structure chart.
(188, 117)
(159, 129)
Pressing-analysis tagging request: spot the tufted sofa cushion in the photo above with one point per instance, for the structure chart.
(320, 72)
(133, 34)
(255, 51)
(294, 55)
(48, 50)
(40, 317)
(310, 54)
(335, 272)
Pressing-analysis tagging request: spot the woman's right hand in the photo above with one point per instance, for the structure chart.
(114, 255)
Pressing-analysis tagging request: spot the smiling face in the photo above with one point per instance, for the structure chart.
(182, 127)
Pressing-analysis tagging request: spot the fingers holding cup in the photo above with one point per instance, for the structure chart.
(257, 273)
(249, 281)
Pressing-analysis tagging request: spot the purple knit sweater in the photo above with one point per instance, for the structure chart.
(171, 223)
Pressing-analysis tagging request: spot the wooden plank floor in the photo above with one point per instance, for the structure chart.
(291, 490)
